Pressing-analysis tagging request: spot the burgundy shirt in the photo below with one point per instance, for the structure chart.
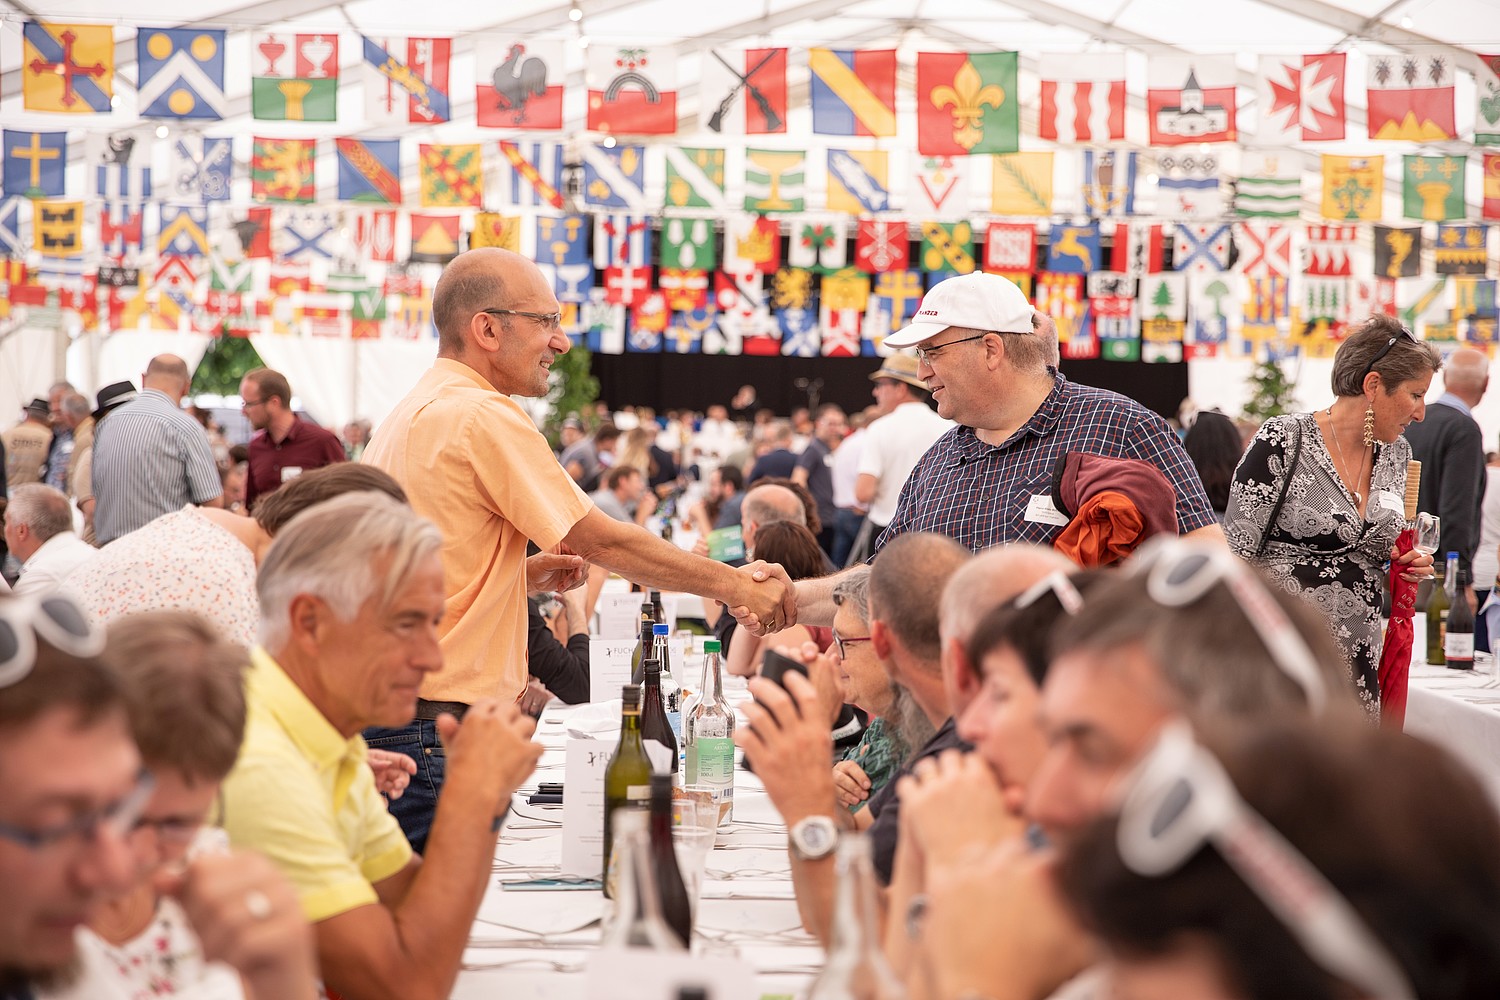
(306, 447)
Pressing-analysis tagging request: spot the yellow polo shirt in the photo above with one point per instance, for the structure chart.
(303, 795)
(473, 463)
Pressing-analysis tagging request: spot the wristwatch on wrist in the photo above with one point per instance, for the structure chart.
(813, 838)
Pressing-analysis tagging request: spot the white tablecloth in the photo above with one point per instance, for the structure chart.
(534, 944)
(1459, 710)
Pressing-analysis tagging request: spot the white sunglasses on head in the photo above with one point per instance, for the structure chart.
(55, 618)
(1180, 799)
(1179, 571)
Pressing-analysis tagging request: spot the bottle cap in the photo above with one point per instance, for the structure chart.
(630, 695)
(711, 645)
(1453, 555)
(659, 629)
(651, 665)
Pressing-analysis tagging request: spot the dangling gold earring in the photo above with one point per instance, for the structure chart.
(1369, 434)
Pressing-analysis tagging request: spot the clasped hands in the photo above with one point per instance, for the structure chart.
(769, 603)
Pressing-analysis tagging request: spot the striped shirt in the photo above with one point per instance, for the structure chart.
(150, 458)
(981, 495)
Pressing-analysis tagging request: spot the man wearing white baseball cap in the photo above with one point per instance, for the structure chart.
(988, 481)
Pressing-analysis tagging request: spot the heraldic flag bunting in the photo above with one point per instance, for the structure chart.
(1353, 187)
(451, 176)
(853, 91)
(1083, 98)
(744, 91)
(966, 103)
(294, 78)
(35, 163)
(519, 82)
(370, 170)
(406, 83)
(632, 90)
(282, 170)
(68, 67)
(1410, 96)
(181, 73)
(1190, 99)
(1301, 97)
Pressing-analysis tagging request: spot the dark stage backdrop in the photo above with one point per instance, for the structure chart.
(696, 381)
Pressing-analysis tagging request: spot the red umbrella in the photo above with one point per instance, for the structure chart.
(1395, 653)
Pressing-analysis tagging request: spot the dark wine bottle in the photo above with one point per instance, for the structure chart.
(627, 780)
(1458, 640)
(644, 647)
(655, 729)
(676, 911)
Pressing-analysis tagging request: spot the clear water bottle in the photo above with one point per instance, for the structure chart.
(856, 968)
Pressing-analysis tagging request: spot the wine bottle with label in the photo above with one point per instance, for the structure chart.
(675, 908)
(656, 732)
(1458, 639)
(708, 731)
(627, 780)
(1438, 609)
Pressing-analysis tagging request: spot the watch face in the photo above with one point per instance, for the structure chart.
(815, 837)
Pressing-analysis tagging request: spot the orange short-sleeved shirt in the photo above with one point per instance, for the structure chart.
(473, 463)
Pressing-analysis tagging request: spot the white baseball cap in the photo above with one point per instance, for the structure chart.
(975, 301)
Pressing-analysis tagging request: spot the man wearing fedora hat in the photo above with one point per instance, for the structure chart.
(988, 480)
(26, 445)
(81, 475)
(894, 442)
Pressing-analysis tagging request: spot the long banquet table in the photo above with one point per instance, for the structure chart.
(536, 944)
(1459, 710)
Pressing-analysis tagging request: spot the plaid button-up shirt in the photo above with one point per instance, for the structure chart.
(978, 494)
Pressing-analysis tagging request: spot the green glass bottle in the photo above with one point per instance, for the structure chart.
(1437, 614)
(627, 780)
(644, 647)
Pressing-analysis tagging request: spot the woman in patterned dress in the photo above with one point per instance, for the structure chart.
(1342, 472)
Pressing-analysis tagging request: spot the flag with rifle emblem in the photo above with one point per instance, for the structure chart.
(746, 88)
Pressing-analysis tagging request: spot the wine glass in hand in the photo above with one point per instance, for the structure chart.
(1428, 528)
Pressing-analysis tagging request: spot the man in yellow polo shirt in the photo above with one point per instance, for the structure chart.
(351, 597)
(472, 461)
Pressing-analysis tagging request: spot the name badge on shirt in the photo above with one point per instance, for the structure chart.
(290, 472)
(1042, 510)
(1391, 501)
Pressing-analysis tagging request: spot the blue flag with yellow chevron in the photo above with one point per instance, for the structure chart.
(181, 73)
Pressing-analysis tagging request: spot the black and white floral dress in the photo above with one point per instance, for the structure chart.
(1320, 546)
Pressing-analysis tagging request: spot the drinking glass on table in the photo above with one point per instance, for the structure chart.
(1429, 526)
(692, 839)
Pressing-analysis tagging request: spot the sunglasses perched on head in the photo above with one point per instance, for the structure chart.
(1179, 572)
(55, 618)
(1387, 349)
(1180, 800)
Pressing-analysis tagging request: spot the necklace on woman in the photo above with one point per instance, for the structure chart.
(1359, 498)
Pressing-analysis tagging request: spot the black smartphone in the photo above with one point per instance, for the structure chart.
(550, 787)
(775, 666)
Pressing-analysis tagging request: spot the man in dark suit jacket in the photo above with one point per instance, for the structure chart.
(1450, 447)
